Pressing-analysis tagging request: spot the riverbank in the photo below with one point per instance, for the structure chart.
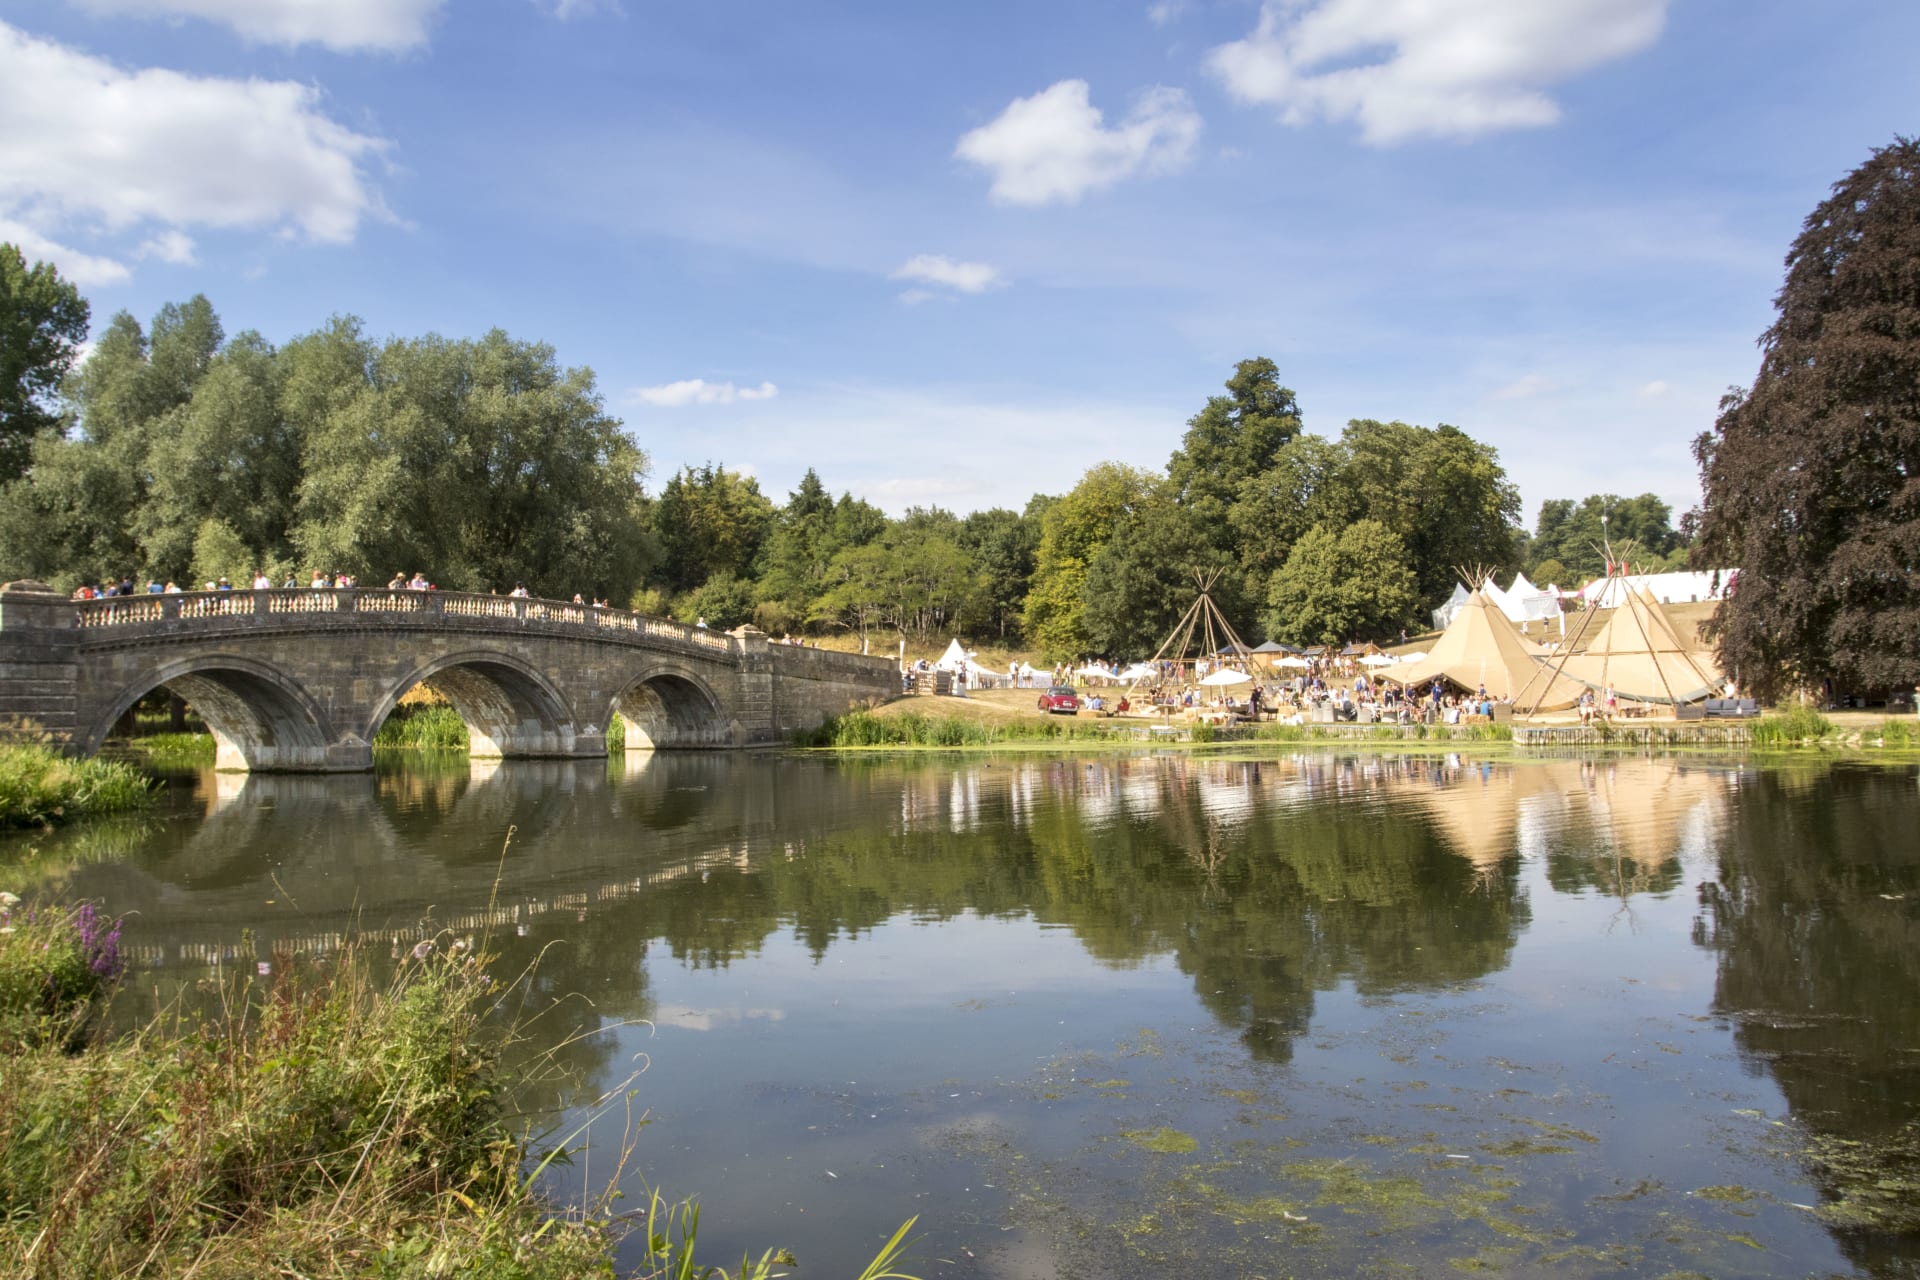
(320, 1123)
(1006, 719)
(39, 787)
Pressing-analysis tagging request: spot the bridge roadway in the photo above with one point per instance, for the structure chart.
(301, 680)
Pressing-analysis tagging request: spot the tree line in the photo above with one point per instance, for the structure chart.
(173, 451)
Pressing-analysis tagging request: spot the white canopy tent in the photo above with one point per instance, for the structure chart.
(1523, 602)
(1225, 677)
(1613, 591)
(1443, 616)
(957, 659)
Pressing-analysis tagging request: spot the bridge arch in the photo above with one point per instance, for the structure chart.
(669, 705)
(261, 718)
(510, 707)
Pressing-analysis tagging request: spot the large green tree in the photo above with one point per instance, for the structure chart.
(1443, 493)
(75, 516)
(43, 321)
(1143, 580)
(1003, 544)
(479, 462)
(1073, 532)
(1233, 438)
(1352, 585)
(1810, 478)
(1575, 534)
(709, 520)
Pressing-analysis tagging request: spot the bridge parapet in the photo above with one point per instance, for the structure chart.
(132, 617)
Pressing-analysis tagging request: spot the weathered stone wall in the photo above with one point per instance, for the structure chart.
(811, 685)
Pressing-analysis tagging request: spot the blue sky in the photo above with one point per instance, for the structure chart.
(957, 253)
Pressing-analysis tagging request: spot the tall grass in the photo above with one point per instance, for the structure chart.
(912, 729)
(324, 1123)
(175, 748)
(1898, 735)
(39, 786)
(432, 726)
(1790, 728)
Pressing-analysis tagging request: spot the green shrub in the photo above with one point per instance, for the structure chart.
(1897, 734)
(1203, 731)
(1801, 724)
(432, 726)
(40, 786)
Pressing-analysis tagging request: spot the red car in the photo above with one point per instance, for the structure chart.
(1061, 697)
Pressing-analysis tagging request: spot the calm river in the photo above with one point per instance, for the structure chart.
(1149, 1015)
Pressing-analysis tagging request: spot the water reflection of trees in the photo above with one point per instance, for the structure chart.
(1812, 913)
(1264, 880)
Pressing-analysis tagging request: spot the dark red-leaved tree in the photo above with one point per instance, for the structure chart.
(1812, 476)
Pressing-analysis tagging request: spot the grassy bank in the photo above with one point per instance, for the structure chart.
(896, 729)
(39, 786)
(322, 1124)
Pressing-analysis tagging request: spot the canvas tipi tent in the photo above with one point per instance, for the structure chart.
(1481, 647)
(1639, 655)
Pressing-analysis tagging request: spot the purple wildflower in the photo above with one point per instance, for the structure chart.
(99, 943)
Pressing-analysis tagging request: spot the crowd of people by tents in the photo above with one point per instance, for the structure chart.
(1480, 667)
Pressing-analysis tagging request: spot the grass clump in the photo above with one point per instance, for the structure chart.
(57, 967)
(1898, 735)
(38, 786)
(175, 748)
(324, 1126)
(1790, 728)
(428, 726)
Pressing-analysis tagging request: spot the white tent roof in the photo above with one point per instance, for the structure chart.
(1524, 602)
(1667, 588)
(1227, 677)
(1444, 614)
(953, 659)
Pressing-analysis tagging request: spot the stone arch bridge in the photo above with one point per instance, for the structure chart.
(301, 680)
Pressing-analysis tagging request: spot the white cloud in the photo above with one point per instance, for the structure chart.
(1655, 390)
(88, 147)
(965, 277)
(674, 395)
(914, 297)
(565, 9)
(1162, 12)
(176, 247)
(1525, 388)
(1054, 146)
(343, 25)
(80, 268)
(1440, 68)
